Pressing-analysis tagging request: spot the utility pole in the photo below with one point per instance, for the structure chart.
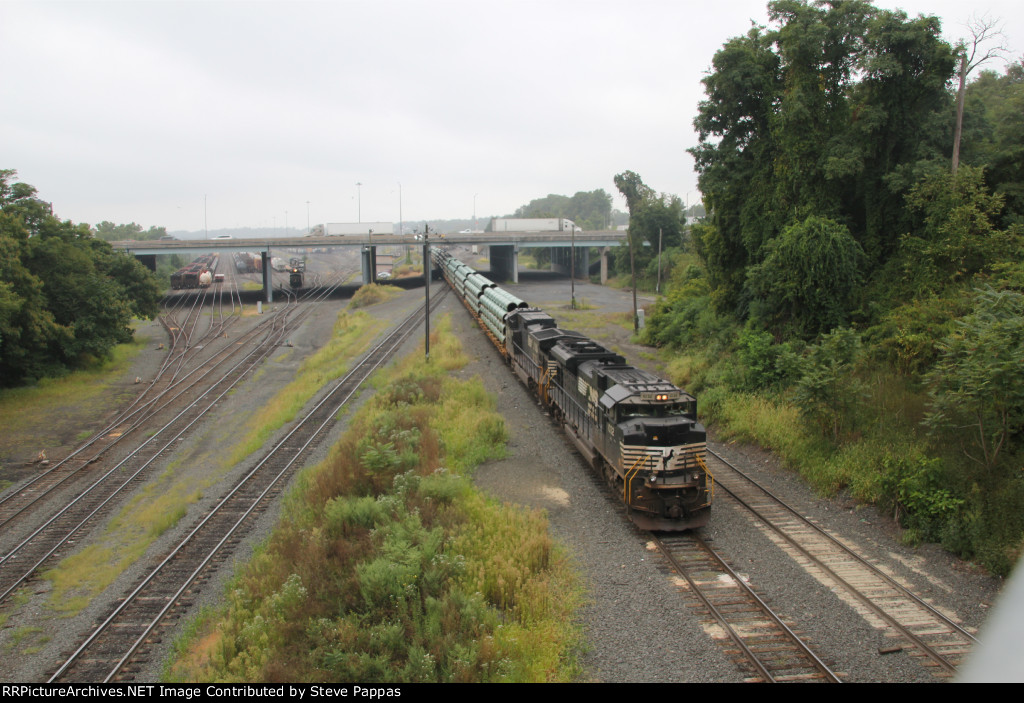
(632, 273)
(426, 280)
(657, 288)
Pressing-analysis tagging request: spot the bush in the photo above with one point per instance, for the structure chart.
(808, 278)
(908, 336)
(978, 383)
(765, 363)
(828, 392)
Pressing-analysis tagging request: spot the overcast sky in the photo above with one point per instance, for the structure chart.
(251, 114)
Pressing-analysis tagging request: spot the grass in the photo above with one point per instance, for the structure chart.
(353, 333)
(586, 316)
(26, 640)
(373, 293)
(389, 566)
(33, 406)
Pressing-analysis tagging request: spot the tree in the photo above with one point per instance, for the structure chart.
(65, 297)
(828, 115)
(590, 210)
(973, 54)
(110, 232)
(809, 278)
(993, 135)
(654, 219)
(29, 334)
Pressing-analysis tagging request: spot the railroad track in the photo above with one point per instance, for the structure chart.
(115, 647)
(47, 541)
(162, 394)
(938, 641)
(762, 643)
(168, 390)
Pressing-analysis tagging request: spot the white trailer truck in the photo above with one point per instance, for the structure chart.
(537, 224)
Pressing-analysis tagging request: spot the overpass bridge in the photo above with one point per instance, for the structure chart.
(504, 248)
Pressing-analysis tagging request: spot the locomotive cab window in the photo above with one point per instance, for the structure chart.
(626, 412)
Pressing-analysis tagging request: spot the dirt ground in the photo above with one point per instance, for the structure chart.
(56, 428)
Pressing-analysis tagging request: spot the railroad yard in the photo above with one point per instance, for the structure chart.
(848, 600)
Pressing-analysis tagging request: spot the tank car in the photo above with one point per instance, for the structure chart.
(640, 431)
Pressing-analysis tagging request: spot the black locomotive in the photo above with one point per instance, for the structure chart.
(639, 430)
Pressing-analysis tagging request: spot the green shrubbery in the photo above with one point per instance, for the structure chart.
(927, 421)
(390, 567)
(917, 405)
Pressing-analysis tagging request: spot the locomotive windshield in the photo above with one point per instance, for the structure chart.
(626, 411)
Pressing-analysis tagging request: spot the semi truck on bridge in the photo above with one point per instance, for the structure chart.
(536, 224)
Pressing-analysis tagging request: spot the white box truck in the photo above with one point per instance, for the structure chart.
(537, 224)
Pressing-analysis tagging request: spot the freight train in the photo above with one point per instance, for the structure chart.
(247, 262)
(640, 431)
(198, 274)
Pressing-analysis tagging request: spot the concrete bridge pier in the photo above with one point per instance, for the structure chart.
(504, 263)
(561, 261)
(369, 258)
(268, 279)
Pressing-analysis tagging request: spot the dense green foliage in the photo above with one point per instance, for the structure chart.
(110, 232)
(66, 298)
(830, 116)
(994, 135)
(589, 210)
(848, 300)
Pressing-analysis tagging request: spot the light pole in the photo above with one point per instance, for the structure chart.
(307, 217)
(359, 202)
(474, 211)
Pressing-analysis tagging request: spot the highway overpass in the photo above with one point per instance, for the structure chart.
(504, 248)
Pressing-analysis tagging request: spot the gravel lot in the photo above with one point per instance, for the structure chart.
(639, 627)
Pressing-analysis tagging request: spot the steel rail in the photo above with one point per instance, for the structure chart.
(737, 639)
(929, 651)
